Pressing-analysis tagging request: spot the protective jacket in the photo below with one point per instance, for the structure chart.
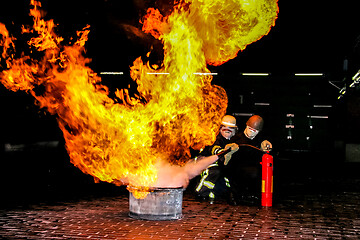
(244, 168)
(213, 181)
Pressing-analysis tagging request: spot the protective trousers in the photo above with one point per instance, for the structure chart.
(212, 183)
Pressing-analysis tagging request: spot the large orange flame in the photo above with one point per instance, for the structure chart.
(175, 108)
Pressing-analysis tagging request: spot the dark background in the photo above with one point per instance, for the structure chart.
(309, 36)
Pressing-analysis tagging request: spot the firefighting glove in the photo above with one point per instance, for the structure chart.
(266, 146)
(234, 147)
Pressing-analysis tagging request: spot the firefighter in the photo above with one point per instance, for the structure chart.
(254, 125)
(244, 170)
(213, 183)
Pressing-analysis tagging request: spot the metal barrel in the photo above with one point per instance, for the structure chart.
(159, 204)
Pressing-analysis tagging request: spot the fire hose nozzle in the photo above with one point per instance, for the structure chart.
(222, 153)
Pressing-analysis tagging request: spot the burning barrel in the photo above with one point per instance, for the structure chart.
(159, 204)
(164, 201)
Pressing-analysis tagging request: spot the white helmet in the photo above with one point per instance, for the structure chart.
(229, 121)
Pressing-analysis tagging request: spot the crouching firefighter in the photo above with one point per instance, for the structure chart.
(213, 183)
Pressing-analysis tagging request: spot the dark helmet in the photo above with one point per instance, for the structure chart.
(255, 122)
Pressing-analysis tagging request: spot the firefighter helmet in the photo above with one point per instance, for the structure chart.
(255, 122)
(229, 121)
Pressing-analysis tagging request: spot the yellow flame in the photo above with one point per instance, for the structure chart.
(120, 143)
(226, 27)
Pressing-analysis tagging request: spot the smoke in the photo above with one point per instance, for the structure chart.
(175, 176)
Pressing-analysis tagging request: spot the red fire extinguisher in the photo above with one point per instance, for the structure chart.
(267, 180)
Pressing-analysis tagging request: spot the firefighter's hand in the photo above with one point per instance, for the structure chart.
(234, 147)
(266, 146)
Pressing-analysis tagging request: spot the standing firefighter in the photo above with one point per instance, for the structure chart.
(244, 171)
(213, 183)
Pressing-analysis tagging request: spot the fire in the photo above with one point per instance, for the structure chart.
(174, 109)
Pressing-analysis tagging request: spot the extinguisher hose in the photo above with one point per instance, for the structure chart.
(248, 145)
(222, 153)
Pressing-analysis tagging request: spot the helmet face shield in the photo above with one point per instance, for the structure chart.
(250, 132)
(227, 132)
